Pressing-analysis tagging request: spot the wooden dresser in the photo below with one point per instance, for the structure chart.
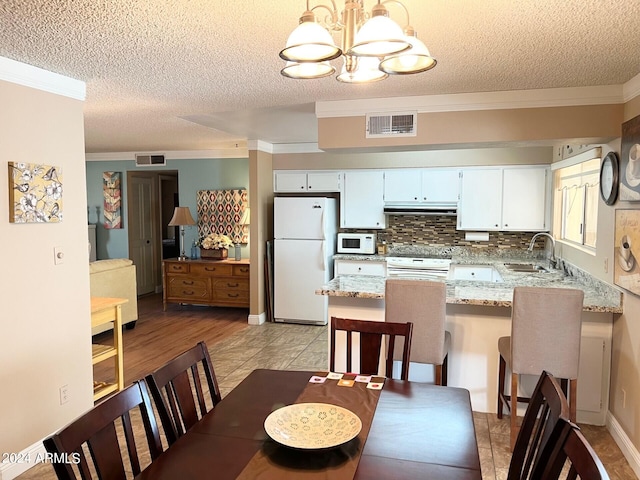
(219, 283)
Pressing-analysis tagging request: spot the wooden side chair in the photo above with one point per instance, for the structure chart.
(96, 432)
(547, 406)
(174, 386)
(545, 335)
(423, 303)
(372, 335)
(571, 456)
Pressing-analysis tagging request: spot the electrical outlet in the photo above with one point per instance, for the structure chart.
(606, 265)
(624, 398)
(64, 394)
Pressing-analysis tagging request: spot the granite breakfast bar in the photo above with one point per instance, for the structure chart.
(478, 313)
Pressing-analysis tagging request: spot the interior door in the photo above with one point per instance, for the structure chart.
(142, 241)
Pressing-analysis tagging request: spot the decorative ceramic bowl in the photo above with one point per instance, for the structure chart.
(312, 425)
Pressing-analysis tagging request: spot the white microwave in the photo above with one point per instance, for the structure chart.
(362, 243)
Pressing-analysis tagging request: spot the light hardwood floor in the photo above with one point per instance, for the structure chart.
(237, 349)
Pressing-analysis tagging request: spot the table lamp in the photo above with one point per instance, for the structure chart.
(243, 221)
(181, 217)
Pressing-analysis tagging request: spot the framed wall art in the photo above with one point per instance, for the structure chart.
(220, 211)
(626, 272)
(35, 193)
(112, 200)
(630, 161)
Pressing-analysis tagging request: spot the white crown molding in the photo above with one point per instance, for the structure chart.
(631, 89)
(281, 148)
(553, 97)
(260, 145)
(34, 77)
(170, 155)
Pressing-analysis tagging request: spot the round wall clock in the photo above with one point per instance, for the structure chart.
(609, 178)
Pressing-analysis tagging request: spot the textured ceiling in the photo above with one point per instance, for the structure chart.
(200, 74)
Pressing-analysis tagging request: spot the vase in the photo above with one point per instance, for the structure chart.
(211, 254)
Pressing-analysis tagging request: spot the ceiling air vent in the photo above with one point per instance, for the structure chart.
(146, 160)
(391, 125)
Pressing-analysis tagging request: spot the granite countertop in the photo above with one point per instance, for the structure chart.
(599, 296)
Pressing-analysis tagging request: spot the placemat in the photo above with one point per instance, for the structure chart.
(349, 391)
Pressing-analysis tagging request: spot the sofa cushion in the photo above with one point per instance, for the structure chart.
(110, 264)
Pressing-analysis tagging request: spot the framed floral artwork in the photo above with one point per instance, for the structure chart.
(35, 193)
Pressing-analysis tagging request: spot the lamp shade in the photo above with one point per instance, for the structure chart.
(310, 42)
(378, 37)
(366, 71)
(246, 216)
(415, 60)
(307, 70)
(181, 216)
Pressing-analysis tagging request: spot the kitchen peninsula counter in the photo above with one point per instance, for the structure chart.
(479, 313)
(598, 296)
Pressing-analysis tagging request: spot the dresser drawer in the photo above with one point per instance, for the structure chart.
(188, 289)
(241, 270)
(212, 269)
(231, 284)
(177, 267)
(240, 297)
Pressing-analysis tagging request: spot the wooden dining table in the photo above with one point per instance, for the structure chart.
(417, 430)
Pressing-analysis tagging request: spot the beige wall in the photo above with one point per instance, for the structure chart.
(261, 227)
(481, 127)
(45, 336)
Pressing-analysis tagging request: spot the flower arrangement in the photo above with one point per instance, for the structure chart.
(215, 241)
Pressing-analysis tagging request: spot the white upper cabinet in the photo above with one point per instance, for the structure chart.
(306, 181)
(429, 185)
(362, 201)
(507, 199)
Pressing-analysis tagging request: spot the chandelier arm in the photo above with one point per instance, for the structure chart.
(406, 10)
(333, 13)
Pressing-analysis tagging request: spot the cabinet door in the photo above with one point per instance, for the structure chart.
(290, 182)
(347, 267)
(440, 186)
(402, 186)
(362, 201)
(524, 199)
(480, 199)
(323, 182)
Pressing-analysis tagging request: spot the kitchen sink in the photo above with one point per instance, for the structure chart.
(525, 267)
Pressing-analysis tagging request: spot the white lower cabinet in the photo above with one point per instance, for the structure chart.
(355, 267)
(362, 200)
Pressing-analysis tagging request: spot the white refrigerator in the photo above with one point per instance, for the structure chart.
(305, 241)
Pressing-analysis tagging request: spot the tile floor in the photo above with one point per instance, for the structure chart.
(299, 347)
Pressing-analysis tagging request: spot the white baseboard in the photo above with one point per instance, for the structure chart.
(629, 451)
(27, 458)
(253, 320)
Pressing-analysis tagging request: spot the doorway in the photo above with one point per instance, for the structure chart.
(151, 198)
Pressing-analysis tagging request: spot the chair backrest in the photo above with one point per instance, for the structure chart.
(174, 385)
(371, 341)
(424, 304)
(97, 432)
(546, 331)
(572, 454)
(546, 407)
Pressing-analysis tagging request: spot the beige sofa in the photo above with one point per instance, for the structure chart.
(115, 278)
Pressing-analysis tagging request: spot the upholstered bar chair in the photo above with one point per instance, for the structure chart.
(545, 335)
(423, 303)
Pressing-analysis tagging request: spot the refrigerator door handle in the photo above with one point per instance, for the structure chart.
(324, 233)
(324, 255)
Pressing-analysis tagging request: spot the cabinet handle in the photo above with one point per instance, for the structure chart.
(232, 285)
(496, 224)
(184, 292)
(506, 224)
(187, 282)
(233, 295)
(310, 187)
(213, 269)
(302, 187)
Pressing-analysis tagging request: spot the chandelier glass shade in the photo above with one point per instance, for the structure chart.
(373, 45)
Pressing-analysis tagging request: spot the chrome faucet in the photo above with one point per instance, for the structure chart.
(553, 261)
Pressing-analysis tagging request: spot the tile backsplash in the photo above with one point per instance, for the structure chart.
(404, 230)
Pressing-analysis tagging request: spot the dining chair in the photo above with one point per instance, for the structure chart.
(424, 304)
(97, 432)
(570, 457)
(371, 338)
(174, 385)
(545, 335)
(547, 406)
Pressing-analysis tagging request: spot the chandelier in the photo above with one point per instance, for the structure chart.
(373, 45)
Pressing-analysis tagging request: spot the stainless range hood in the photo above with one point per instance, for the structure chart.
(433, 209)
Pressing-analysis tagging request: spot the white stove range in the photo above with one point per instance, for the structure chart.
(436, 268)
